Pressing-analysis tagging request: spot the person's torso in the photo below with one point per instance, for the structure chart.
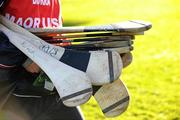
(34, 13)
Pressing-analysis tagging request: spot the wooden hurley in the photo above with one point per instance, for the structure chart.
(101, 44)
(113, 98)
(108, 63)
(86, 35)
(92, 39)
(74, 86)
(102, 67)
(133, 26)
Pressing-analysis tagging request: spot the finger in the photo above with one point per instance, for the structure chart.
(126, 59)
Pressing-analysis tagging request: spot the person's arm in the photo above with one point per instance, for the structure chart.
(9, 54)
(30, 66)
(12, 57)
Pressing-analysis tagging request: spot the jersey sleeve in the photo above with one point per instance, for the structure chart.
(9, 54)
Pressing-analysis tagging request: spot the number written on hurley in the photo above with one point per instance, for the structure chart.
(49, 50)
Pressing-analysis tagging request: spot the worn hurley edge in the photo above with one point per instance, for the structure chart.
(76, 94)
(116, 27)
(113, 106)
(86, 35)
(90, 39)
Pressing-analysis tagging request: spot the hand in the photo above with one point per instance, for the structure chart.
(126, 59)
(33, 68)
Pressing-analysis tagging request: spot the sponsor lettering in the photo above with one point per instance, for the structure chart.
(41, 2)
(36, 22)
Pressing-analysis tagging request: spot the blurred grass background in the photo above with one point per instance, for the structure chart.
(153, 78)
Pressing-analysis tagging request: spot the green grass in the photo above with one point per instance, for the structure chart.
(153, 78)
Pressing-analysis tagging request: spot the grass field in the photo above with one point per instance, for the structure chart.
(153, 78)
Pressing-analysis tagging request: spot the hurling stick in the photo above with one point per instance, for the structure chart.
(113, 98)
(92, 39)
(96, 43)
(73, 86)
(112, 110)
(120, 50)
(86, 35)
(108, 64)
(126, 26)
(102, 44)
(115, 44)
